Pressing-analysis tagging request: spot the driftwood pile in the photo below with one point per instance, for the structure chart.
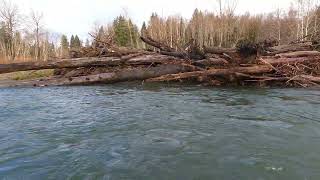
(263, 64)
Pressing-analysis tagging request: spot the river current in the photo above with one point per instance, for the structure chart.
(159, 132)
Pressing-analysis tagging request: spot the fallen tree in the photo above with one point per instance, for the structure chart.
(217, 50)
(88, 62)
(288, 60)
(272, 51)
(117, 76)
(296, 54)
(287, 65)
(211, 62)
(190, 51)
(213, 72)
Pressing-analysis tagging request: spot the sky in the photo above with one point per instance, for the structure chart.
(79, 16)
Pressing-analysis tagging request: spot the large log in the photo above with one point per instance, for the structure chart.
(86, 62)
(159, 45)
(229, 54)
(253, 78)
(211, 62)
(152, 59)
(66, 63)
(279, 61)
(174, 54)
(296, 54)
(191, 52)
(213, 72)
(306, 78)
(113, 77)
(217, 50)
(287, 48)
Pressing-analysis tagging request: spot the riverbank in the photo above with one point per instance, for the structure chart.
(24, 77)
(249, 64)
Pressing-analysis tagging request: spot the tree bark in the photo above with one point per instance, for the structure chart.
(307, 78)
(299, 54)
(174, 54)
(211, 62)
(159, 45)
(221, 51)
(87, 62)
(287, 48)
(113, 77)
(279, 61)
(213, 72)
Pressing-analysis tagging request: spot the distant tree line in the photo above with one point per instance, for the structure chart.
(24, 37)
(222, 28)
(75, 44)
(122, 31)
(31, 41)
(23, 41)
(225, 29)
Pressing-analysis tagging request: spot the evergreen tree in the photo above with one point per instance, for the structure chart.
(64, 46)
(99, 37)
(72, 42)
(135, 35)
(143, 28)
(76, 42)
(122, 35)
(126, 33)
(64, 42)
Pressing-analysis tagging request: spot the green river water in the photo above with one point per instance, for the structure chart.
(160, 132)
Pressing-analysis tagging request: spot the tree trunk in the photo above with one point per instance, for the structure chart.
(87, 62)
(159, 45)
(217, 50)
(213, 72)
(296, 54)
(278, 61)
(113, 77)
(287, 48)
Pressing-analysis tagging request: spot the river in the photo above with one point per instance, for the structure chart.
(159, 132)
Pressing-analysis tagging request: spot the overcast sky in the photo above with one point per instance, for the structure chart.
(78, 16)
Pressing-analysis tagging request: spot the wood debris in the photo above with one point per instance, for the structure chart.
(295, 64)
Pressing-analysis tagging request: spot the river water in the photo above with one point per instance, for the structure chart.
(159, 132)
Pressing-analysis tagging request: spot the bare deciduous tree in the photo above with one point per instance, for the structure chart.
(37, 25)
(9, 16)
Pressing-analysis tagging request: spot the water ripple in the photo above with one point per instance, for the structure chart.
(134, 131)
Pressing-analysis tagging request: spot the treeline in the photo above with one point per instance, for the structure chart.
(121, 32)
(23, 37)
(66, 46)
(223, 28)
(31, 41)
(23, 41)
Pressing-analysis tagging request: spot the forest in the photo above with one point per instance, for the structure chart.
(210, 44)
(24, 37)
